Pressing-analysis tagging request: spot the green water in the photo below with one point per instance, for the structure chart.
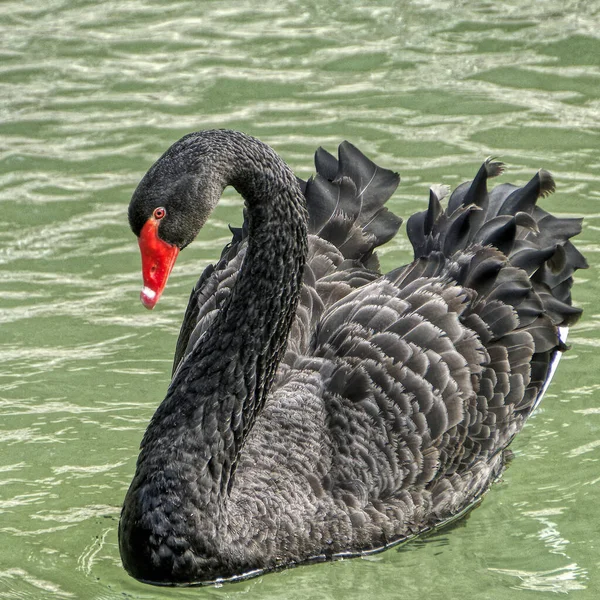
(91, 94)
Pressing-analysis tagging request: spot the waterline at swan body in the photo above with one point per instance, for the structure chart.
(319, 408)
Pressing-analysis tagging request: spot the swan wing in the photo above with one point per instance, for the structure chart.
(429, 371)
(207, 297)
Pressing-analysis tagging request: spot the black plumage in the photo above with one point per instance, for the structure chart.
(320, 409)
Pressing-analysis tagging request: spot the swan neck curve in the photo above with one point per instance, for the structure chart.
(189, 452)
(236, 361)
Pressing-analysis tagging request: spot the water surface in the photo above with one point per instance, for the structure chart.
(91, 94)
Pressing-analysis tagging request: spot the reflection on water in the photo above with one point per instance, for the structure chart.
(92, 94)
(19, 583)
(567, 579)
(564, 579)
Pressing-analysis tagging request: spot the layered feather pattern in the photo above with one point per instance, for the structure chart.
(399, 392)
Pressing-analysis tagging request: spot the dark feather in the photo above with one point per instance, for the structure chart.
(387, 404)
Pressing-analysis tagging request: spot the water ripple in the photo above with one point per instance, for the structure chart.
(93, 93)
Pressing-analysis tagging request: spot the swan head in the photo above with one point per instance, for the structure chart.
(169, 207)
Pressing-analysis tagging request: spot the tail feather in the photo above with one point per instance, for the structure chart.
(346, 199)
(475, 192)
(519, 261)
(508, 219)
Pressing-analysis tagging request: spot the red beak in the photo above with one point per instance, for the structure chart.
(158, 258)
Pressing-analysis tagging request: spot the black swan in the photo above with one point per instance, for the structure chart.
(318, 408)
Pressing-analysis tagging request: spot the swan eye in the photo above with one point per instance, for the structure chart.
(159, 213)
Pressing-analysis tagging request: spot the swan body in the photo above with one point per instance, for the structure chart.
(318, 408)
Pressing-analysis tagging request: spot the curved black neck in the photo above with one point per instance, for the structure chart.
(218, 391)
